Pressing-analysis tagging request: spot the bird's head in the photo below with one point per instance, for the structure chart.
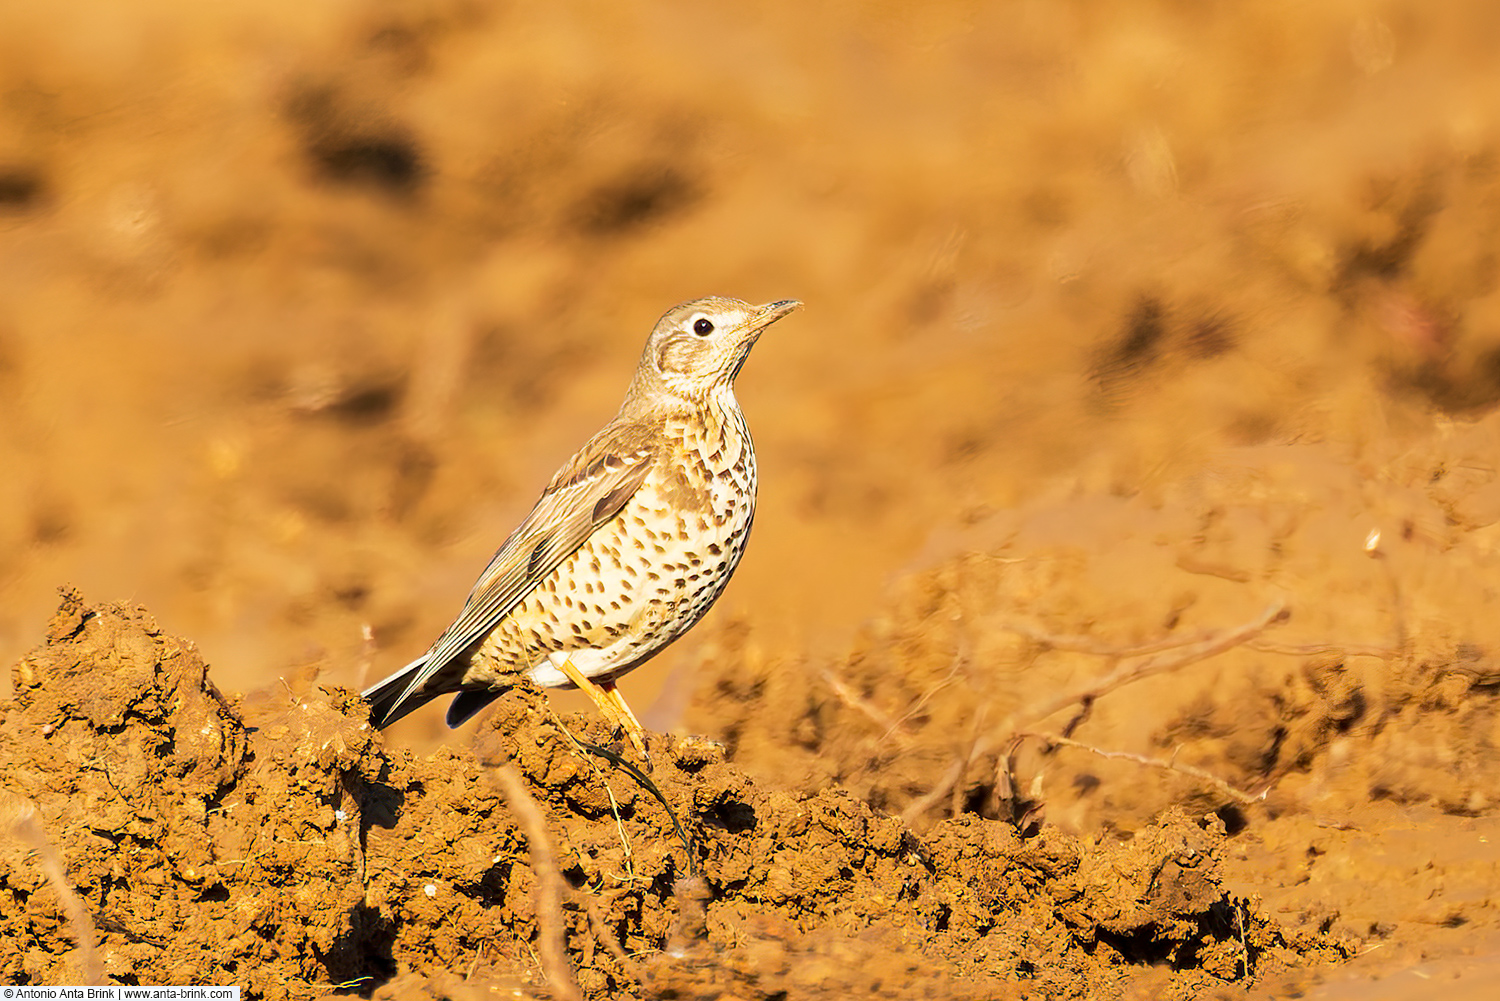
(699, 346)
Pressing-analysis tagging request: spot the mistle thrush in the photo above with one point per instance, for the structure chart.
(629, 545)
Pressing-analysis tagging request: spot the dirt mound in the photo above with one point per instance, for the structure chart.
(205, 850)
(272, 843)
(1298, 621)
(1300, 641)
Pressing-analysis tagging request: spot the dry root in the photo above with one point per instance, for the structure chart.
(1134, 664)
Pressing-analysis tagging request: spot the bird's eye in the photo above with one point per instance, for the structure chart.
(703, 326)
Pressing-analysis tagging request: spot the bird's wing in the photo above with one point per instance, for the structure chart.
(586, 492)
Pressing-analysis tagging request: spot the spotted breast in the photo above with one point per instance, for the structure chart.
(648, 576)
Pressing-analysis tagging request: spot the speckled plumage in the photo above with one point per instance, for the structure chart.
(630, 544)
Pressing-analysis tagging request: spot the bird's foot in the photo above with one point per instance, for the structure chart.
(637, 738)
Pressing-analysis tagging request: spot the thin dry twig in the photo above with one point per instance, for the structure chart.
(26, 829)
(893, 729)
(897, 728)
(1314, 649)
(601, 932)
(1076, 643)
(1124, 675)
(1165, 764)
(955, 806)
(549, 885)
(944, 785)
(1199, 648)
(865, 707)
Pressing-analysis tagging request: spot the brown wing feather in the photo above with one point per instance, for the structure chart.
(586, 492)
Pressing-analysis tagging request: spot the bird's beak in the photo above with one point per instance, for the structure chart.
(762, 318)
(771, 312)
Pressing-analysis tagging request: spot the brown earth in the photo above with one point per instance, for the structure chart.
(1119, 620)
(277, 845)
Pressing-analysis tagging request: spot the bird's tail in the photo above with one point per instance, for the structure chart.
(466, 704)
(389, 700)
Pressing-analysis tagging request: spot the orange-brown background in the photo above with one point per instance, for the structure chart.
(300, 304)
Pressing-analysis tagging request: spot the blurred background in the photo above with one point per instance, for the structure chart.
(302, 303)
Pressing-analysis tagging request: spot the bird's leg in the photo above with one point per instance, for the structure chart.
(607, 699)
(617, 699)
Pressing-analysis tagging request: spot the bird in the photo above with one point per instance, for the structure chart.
(629, 545)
